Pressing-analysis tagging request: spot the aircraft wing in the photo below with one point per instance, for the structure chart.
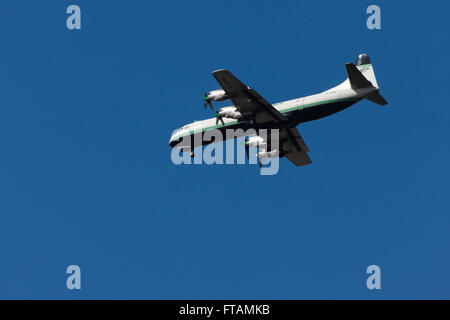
(247, 100)
(293, 146)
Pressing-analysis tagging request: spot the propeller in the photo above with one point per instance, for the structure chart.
(207, 101)
(218, 118)
(246, 147)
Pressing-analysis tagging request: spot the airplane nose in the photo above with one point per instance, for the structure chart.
(172, 141)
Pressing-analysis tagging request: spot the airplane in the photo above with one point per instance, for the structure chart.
(252, 111)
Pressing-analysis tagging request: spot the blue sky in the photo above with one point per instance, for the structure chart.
(86, 176)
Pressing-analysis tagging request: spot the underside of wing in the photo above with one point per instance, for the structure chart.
(265, 112)
(232, 85)
(299, 158)
(293, 147)
(247, 100)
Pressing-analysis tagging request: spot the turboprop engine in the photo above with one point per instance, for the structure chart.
(261, 144)
(229, 112)
(255, 141)
(268, 154)
(215, 95)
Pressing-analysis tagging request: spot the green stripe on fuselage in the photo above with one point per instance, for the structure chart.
(298, 107)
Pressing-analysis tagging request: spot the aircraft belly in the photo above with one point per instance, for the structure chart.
(321, 111)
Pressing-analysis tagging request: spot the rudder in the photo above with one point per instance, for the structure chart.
(364, 65)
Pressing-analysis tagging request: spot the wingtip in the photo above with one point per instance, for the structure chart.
(219, 70)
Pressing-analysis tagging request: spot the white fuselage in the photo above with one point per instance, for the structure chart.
(297, 110)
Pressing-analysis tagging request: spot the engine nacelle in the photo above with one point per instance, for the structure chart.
(216, 95)
(268, 154)
(229, 112)
(256, 141)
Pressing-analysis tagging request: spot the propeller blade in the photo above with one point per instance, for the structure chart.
(207, 101)
(218, 118)
(247, 148)
(259, 160)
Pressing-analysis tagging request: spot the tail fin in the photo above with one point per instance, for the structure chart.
(362, 76)
(356, 78)
(364, 65)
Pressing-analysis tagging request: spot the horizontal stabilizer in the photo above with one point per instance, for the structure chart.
(377, 98)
